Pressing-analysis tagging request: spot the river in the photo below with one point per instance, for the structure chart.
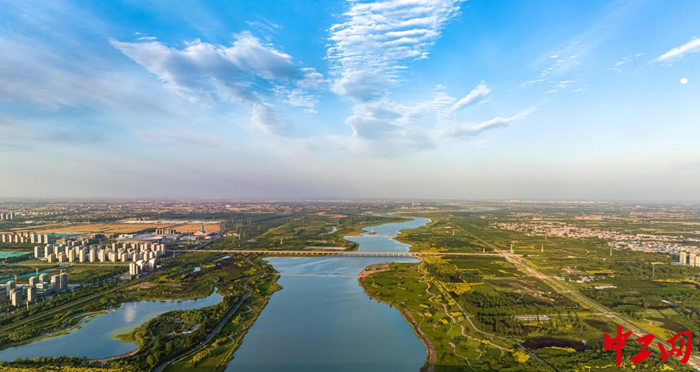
(93, 339)
(327, 323)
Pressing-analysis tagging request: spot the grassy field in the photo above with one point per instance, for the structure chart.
(452, 342)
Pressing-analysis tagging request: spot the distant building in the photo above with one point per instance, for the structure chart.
(683, 259)
(7, 216)
(71, 256)
(166, 231)
(134, 269)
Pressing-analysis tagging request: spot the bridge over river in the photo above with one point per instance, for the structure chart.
(336, 253)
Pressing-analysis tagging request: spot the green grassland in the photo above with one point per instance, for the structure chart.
(660, 298)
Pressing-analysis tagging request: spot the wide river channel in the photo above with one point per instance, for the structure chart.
(326, 322)
(321, 320)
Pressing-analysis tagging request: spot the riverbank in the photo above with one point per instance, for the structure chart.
(431, 353)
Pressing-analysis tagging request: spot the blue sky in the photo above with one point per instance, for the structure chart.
(358, 99)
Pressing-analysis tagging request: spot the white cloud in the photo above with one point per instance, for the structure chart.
(693, 46)
(206, 74)
(388, 128)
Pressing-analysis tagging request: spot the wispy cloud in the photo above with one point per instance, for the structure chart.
(477, 95)
(693, 46)
(22, 134)
(181, 137)
(462, 130)
(370, 47)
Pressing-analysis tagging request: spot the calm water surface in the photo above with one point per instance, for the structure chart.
(92, 339)
(327, 323)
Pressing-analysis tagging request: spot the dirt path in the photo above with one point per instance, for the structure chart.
(375, 269)
(432, 353)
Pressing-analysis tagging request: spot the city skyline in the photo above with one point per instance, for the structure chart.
(436, 99)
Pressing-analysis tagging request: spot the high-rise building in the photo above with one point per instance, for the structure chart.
(44, 278)
(683, 259)
(71, 256)
(37, 251)
(64, 281)
(55, 283)
(31, 294)
(17, 297)
(92, 255)
(33, 281)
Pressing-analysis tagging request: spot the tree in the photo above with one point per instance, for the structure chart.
(521, 356)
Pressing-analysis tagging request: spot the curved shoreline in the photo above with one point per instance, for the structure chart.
(431, 353)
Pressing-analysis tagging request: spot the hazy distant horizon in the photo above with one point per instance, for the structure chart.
(426, 99)
(242, 200)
